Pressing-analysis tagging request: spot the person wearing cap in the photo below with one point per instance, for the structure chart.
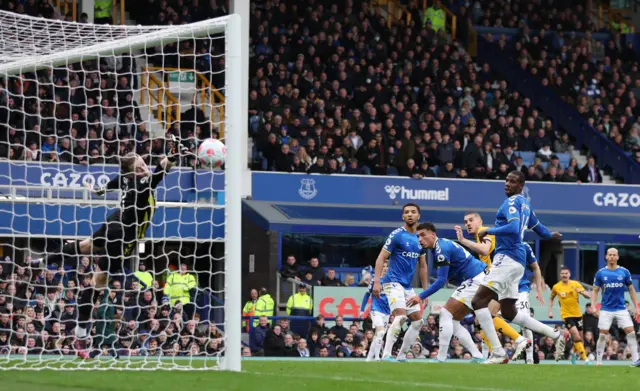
(300, 304)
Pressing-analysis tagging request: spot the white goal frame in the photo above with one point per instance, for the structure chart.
(235, 132)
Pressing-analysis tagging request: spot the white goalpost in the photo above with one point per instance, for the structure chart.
(74, 100)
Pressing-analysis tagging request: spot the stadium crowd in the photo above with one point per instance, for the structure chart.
(352, 339)
(334, 90)
(136, 316)
(599, 78)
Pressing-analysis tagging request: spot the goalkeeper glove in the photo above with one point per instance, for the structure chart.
(99, 190)
(177, 152)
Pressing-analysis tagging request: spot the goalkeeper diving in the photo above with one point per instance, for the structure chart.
(124, 227)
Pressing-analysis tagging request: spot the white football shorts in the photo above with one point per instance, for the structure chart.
(397, 297)
(622, 318)
(504, 277)
(465, 292)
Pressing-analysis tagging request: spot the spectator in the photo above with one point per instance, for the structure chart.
(308, 279)
(291, 269)
(570, 176)
(274, 345)
(302, 350)
(339, 330)
(319, 328)
(589, 320)
(258, 335)
(331, 279)
(315, 269)
(590, 173)
(290, 347)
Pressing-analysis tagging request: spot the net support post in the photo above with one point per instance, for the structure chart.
(234, 123)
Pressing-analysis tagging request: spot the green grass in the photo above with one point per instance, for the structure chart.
(329, 375)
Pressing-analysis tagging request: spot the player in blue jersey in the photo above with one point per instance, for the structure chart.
(404, 253)
(501, 282)
(613, 281)
(379, 316)
(457, 265)
(522, 305)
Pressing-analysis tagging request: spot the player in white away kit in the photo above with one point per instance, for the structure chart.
(404, 253)
(379, 316)
(614, 281)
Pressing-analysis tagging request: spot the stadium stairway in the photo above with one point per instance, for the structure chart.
(582, 160)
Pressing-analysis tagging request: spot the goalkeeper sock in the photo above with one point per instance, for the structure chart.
(505, 328)
(600, 346)
(632, 343)
(579, 348)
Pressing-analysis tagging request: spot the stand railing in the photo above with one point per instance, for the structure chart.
(167, 105)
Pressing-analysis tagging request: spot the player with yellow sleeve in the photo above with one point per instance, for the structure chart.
(484, 248)
(567, 291)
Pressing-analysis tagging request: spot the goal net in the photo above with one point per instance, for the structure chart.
(117, 249)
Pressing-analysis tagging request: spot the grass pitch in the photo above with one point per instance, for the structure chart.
(331, 375)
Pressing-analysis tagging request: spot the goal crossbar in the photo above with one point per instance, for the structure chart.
(118, 46)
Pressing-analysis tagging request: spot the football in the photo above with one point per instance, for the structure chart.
(212, 153)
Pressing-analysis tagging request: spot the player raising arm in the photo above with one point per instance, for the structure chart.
(485, 247)
(567, 291)
(454, 263)
(404, 253)
(613, 281)
(379, 316)
(501, 282)
(126, 225)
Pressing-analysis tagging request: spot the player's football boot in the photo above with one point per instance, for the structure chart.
(636, 364)
(520, 348)
(477, 360)
(389, 359)
(560, 344)
(529, 361)
(402, 359)
(438, 361)
(495, 359)
(574, 358)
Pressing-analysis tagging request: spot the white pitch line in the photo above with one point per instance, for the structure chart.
(380, 381)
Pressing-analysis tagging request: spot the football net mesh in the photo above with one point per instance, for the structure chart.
(75, 100)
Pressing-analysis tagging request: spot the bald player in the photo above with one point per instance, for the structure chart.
(484, 248)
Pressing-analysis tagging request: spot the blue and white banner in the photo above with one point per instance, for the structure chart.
(450, 193)
(180, 185)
